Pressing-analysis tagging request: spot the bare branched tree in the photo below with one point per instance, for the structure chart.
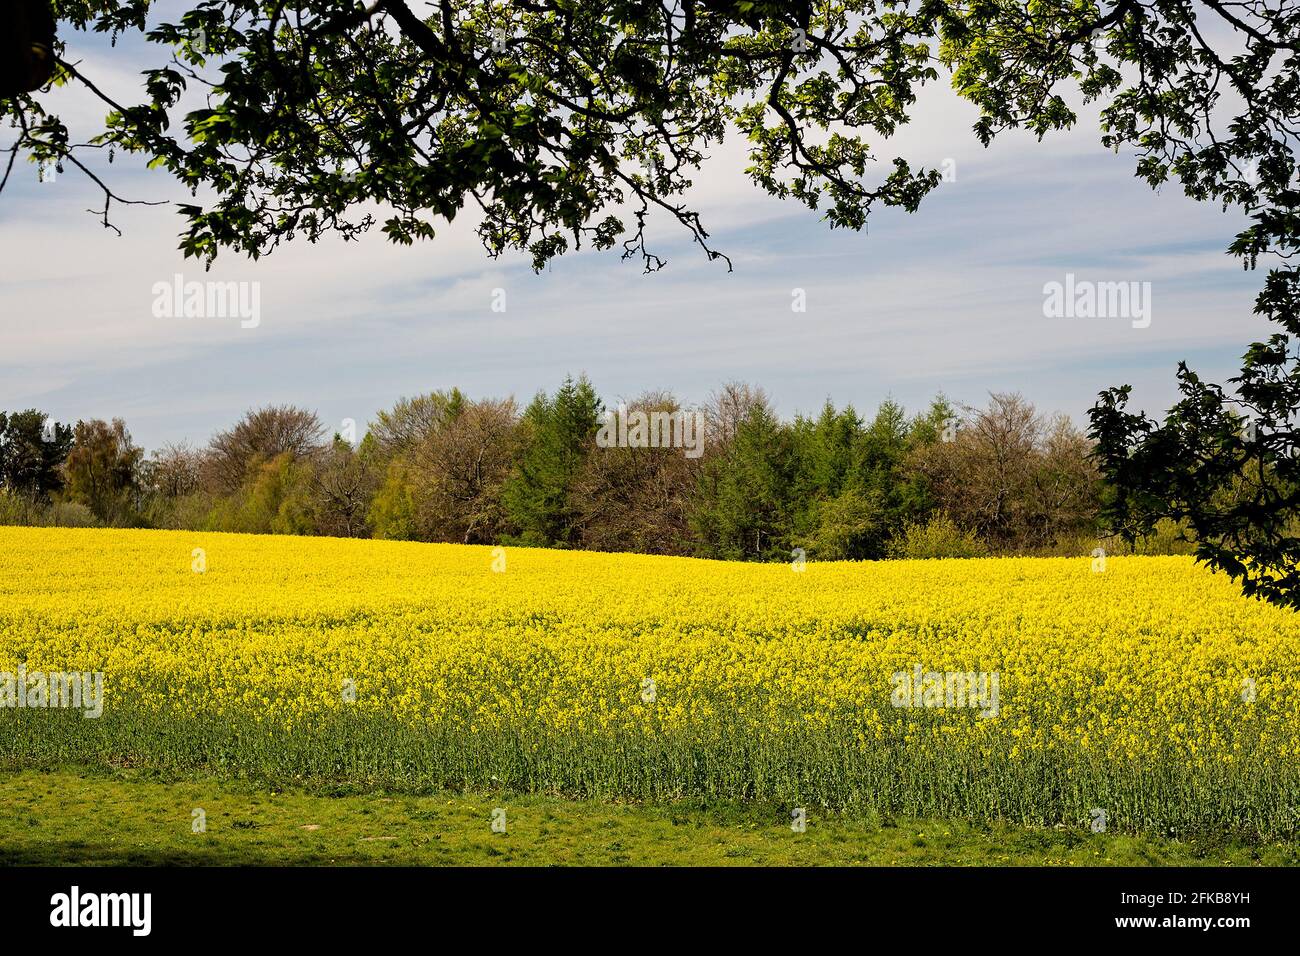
(261, 436)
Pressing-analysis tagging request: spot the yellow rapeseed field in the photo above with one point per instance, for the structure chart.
(1150, 693)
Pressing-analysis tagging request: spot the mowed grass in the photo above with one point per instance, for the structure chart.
(119, 817)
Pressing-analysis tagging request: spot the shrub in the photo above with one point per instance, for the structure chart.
(850, 526)
(940, 537)
(71, 514)
(16, 509)
(1168, 537)
(393, 512)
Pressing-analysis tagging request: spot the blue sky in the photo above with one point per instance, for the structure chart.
(950, 298)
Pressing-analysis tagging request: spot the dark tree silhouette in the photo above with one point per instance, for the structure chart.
(26, 47)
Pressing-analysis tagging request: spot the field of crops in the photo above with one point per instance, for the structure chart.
(1148, 696)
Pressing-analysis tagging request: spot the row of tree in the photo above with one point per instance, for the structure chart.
(445, 467)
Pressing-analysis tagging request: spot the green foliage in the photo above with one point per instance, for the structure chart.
(747, 510)
(393, 511)
(937, 538)
(549, 116)
(32, 452)
(929, 428)
(558, 434)
(882, 473)
(102, 471)
(443, 467)
(848, 526)
(856, 487)
(825, 452)
(1166, 537)
(277, 500)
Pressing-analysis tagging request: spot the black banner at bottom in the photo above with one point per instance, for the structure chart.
(334, 906)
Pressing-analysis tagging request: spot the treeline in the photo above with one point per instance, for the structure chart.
(947, 481)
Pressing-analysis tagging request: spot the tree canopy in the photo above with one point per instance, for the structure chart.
(561, 122)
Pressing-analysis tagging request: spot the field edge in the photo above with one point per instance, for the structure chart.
(78, 817)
